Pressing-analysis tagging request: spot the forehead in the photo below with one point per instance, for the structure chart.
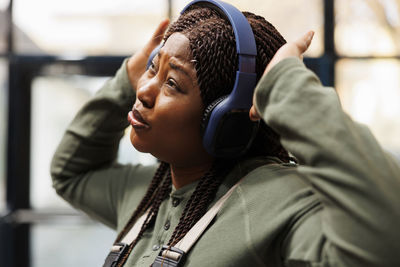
(177, 45)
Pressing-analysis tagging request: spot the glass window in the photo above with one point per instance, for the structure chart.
(367, 28)
(63, 96)
(89, 27)
(304, 15)
(370, 93)
(3, 128)
(65, 245)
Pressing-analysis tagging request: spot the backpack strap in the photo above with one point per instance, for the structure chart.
(174, 256)
(119, 249)
(168, 256)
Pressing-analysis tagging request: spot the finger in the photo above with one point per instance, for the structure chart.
(159, 32)
(309, 37)
(253, 114)
(304, 42)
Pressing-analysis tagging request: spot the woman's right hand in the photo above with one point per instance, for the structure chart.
(290, 49)
(136, 65)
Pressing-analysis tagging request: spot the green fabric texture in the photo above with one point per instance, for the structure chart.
(339, 207)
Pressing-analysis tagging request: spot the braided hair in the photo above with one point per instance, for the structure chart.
(213, 47)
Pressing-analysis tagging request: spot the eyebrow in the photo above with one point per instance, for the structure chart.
(174, 66)
(178, 68)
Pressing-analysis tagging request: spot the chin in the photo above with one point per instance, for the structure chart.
(138, 144)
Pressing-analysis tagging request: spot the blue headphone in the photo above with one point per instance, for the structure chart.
(227, 130)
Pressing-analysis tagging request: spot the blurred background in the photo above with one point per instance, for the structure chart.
(54, 55)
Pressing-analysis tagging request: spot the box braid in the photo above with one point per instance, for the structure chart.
(214, 52)
(157, 191)
(213, 47)
(198, 202)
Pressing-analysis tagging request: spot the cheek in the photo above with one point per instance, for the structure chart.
(175, 130)
(182, 123)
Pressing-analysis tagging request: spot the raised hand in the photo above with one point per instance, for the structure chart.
(291, 49)
(137, 63)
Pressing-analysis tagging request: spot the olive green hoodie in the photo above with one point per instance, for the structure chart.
(339, 207)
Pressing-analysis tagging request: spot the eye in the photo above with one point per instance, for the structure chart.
(152, 68)
(172, 84)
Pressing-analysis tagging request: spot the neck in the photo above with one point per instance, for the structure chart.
(182, 176)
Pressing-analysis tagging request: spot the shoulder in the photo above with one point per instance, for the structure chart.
(132, 189)
(273, 183)
(137, 178)
(269, 201)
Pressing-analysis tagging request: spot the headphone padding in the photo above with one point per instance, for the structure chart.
(208, 111)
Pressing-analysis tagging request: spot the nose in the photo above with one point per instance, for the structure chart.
(148, 92)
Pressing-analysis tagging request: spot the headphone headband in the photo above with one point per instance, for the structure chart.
(245, 44)
(228, 131)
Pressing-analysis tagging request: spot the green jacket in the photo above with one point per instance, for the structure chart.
(339, 207)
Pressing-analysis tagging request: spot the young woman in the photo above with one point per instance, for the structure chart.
(338, 205)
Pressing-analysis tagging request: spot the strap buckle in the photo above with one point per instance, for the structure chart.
(117, 251)
(169, 257)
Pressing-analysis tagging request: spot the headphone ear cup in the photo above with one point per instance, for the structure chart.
(228, 135)
(208, 111)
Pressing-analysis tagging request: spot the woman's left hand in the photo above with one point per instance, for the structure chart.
(136, 65)
(292, 49)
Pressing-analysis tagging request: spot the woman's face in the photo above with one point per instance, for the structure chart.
(166, 116)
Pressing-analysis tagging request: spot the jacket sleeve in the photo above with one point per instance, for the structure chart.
(358, 183)
(83, 168)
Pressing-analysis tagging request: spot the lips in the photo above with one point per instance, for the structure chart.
(136, 120)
